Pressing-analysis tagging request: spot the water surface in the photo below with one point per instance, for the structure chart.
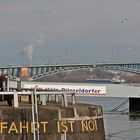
(117, 123)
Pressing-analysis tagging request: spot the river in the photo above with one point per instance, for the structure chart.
(117, 123)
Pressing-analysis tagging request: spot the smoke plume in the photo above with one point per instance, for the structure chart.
(28, 50)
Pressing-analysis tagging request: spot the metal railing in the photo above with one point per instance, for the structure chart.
(16, 95)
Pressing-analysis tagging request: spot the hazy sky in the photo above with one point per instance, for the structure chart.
(69, 31)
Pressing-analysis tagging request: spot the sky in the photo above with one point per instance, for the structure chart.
(69, 31)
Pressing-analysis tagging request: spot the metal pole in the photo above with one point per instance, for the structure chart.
(33, 115)
(63, 136)
(36, 113)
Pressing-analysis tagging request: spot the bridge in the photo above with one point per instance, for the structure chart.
(34, 72)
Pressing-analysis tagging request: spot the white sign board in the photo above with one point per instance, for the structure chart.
(78, 89)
